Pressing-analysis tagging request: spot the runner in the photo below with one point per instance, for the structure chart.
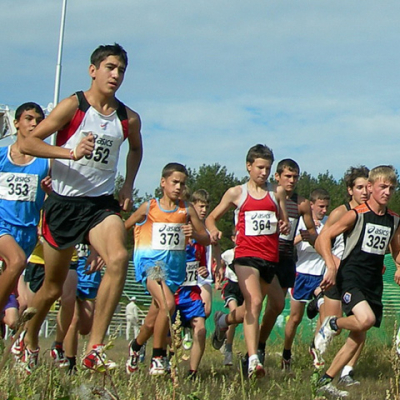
(369, 229)
(260, 215)
(81, 208)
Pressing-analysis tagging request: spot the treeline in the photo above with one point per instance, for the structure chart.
(216, 180)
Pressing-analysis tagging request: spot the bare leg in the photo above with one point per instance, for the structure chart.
(275, 306)
(199, 342)
(112, 250)
(296, 315)
(15, 260)
(57, 267)
(206, 296)
(66, 311)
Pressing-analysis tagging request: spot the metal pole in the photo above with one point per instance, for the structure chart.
(59, 58)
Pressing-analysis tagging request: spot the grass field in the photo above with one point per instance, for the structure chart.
(378, 370)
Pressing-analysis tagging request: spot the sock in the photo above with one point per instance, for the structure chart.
(347, 369)
(164, 352)
(261, 346)
(333, 324)
(222, 322)
(252, 358)
(72, 363)
(136, 346)
(58, 344)
(157, 352)
(324, 380)
(192, 374)
(287, 354)
(228, 347)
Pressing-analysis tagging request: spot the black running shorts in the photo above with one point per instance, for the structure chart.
(267, 269)
(68, 220)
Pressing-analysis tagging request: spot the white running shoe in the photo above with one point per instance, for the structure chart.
(187, 339)
(256, 369)
(157, 366)
(332, 390)
(324, 335)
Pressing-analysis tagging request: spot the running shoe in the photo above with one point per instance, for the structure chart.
(157, 366)
(187, 339)
(228, 357)
(318, 361)
(58, 356)
(28, 360)
(97, 360)
(218, 336)
(348, 380)
(255, 369)
(132, 364)
(328, 388)
(324, 335)
(18, 346)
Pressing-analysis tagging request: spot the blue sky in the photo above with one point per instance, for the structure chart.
(318, 81)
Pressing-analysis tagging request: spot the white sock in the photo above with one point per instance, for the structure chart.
(346, 370)
(320, 302)
(253, 358)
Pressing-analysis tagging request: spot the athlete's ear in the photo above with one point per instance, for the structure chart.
(92, 71)
(277, 176)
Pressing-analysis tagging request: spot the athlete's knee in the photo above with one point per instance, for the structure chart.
(16, 266)
(118, 260)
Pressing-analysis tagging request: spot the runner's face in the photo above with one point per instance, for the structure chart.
(28, 121)
(287, 179)
(359, 191)
(110, 74)
(381, 191)
(173, 185)
(319, 209)
(259, 170)
(201, 208)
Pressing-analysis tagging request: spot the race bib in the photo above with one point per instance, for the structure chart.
(259, 223)
(105, 152)
(82, 250)
(18, 186)
(167, 236)
(191, 273)
(293, 224)
(376, 239)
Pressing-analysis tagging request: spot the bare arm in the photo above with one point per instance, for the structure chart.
(306, 213)
(229, 200)
(133, 160)
(284, 225)
(323, 246)
(395, 250)
(34, 144)
(138, 216)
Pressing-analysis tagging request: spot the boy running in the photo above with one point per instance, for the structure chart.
(91, 127)
(287, 176)
(368, 230)
(162, 229)
(310, 268)
(21, 198)
(259, 217)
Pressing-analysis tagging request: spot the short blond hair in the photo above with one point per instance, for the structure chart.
(386, 173)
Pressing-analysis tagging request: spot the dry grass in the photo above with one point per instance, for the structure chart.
(378, 370)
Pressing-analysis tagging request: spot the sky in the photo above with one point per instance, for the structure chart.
(317, 81)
